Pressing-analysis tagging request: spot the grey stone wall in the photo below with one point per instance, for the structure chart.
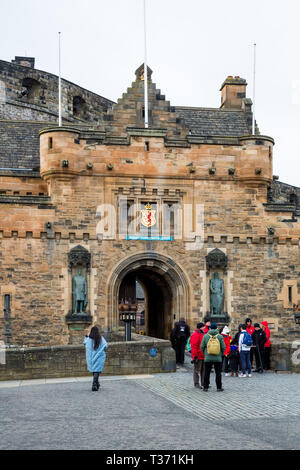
(23, 114)
(44, 100)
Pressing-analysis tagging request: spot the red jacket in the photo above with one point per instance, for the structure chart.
(250, 329)
(268, 333)
(196, 340)
(227, 340)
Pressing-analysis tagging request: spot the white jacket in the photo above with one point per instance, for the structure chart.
(243, 347)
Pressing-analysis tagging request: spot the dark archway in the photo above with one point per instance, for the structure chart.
(166, 287)
(157, 305)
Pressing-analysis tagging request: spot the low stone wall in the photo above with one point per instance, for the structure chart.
(123, 358)
(285, 357)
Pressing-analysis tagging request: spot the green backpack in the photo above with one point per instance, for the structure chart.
(213, 345)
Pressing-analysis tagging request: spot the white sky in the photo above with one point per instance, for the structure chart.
(193, 45)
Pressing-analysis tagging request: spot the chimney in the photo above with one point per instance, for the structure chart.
(24, 61)
(233, 93)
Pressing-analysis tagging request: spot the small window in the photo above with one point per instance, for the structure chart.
(7, 303)
(290, 293)
(147, 146)
(50, 143)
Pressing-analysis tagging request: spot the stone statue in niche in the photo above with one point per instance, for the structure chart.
(79, 292)
(216, 289)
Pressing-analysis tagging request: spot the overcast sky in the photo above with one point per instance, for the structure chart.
(193, 45)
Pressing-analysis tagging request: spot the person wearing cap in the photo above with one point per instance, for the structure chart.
(197, 355)
(259, 338)
(267, 346)
(227, 340)
(213, 359)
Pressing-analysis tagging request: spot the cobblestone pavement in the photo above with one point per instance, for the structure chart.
(161, 412)
(274, 396)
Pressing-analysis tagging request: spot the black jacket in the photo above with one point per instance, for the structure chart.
(259, 338)
(182, 330)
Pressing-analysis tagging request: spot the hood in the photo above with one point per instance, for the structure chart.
(197, 330)
(226, 330)
(213, 332)
(265, 323)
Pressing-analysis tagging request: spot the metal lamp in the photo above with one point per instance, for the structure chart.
(128, 318)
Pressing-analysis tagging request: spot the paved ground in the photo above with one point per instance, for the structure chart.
(161, 412)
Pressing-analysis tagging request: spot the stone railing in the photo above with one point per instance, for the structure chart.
(123, 358)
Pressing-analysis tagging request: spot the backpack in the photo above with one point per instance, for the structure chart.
(213, 345)
(180, 331)
(247, 340)
(188, 345)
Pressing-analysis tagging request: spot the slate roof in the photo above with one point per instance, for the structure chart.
(20, 145)
(215, 122)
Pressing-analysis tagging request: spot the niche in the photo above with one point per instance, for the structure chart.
(79, 107)
(33, 91)
(79, 263)
(216, 269)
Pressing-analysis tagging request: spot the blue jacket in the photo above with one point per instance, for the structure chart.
(95, 359)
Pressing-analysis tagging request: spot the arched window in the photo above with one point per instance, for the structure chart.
(79, 107)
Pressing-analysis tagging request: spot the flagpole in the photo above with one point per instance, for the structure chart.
(254, 90)
(146, 70)
(59, 82)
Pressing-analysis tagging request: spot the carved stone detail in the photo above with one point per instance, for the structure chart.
(216, 259)
(79, 256)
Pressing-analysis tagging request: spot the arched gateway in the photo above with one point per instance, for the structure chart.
(166, 289)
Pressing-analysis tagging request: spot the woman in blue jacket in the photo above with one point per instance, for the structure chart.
(95, 347)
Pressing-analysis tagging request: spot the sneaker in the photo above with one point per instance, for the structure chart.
(243, 375)
(197, 386)
(220, 390)
(227, 375)
(205, 390)
(249, 375)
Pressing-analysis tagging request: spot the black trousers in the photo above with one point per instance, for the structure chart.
(226, 365)
(180, 350)
(258, 358)
(218, 370)
(96, 377)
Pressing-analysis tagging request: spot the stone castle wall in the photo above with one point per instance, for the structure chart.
(41, 104)
(53, 202)
(36, 237)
